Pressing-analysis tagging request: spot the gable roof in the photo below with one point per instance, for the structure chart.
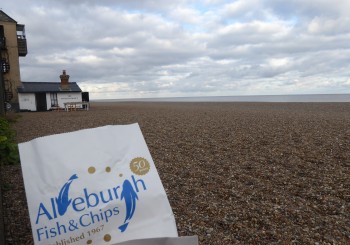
(4, 17)
(37, 87)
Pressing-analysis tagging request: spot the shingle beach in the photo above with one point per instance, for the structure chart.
(234, 173)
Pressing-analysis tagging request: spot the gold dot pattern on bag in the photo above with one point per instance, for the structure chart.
(107, 238)
(91, 170)
(139, 166)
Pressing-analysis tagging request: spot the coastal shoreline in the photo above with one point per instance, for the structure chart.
(234, 172)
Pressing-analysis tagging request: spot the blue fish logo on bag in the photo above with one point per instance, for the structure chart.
(85, 205)
(130, 197)
(62, 201)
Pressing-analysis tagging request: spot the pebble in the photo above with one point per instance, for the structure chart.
(255, 173)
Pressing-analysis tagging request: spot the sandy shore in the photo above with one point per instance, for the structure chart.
(234, 172)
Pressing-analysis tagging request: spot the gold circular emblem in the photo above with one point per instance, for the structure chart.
(139, 166)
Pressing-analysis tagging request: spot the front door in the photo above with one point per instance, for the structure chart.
(40, 99)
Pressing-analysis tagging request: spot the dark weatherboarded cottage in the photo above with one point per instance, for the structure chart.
(43, 96)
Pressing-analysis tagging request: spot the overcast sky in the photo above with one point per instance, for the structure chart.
(131, 49)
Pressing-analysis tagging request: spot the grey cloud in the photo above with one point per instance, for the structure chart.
(140, 47)
(307, 9)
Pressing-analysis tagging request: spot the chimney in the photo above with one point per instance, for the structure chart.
(64, 80)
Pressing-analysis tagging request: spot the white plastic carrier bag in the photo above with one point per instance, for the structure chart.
(94, 186)
(188, 240)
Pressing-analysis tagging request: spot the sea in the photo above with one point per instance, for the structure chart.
(245, 98)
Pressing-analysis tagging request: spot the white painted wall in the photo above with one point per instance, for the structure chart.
(68, 97)
(27, 101)
(48, 101)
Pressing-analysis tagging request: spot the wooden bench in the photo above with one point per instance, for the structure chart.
(69, 106)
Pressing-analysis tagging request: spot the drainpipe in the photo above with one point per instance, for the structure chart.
(2, 94)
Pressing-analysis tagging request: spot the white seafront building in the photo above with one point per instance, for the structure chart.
(44, 96)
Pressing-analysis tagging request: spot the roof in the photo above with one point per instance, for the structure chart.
(37, 87)
(5, 18)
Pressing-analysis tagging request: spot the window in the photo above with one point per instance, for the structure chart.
(54, 101)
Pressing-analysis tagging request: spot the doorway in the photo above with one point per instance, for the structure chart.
(40, 99)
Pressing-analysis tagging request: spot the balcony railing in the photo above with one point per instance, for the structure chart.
(22, 46)
(21, 40)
